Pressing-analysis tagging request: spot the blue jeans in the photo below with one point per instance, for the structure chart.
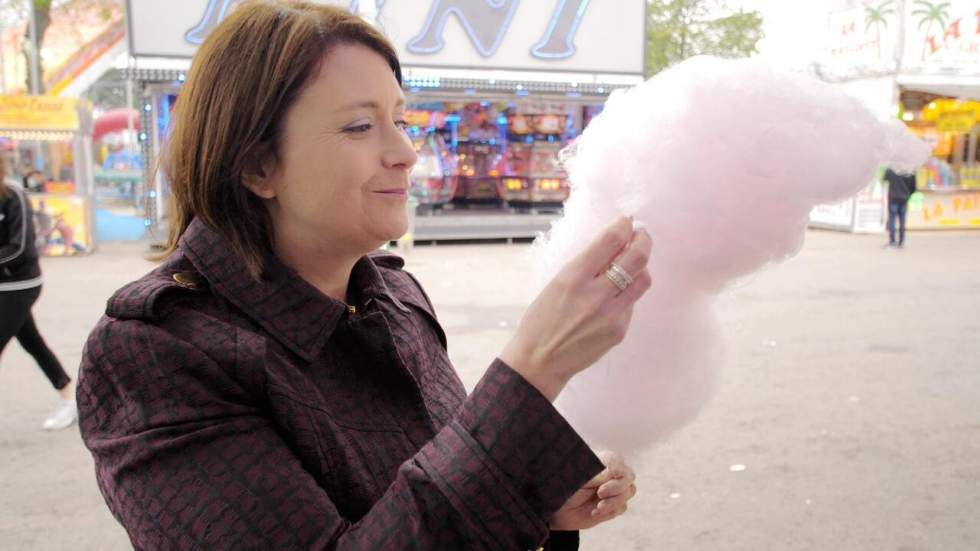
(897, 210)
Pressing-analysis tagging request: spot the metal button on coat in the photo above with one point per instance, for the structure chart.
(189, 280)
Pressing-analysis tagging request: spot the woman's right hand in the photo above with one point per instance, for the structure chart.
(580, 314)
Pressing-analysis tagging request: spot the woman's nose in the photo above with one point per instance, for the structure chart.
(400, 153)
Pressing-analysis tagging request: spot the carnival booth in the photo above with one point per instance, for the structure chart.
(931, 81)
(119, 190)
(949, 183)
(495, 90)
(48, 145)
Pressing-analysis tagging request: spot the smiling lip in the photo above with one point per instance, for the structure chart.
(399, 192)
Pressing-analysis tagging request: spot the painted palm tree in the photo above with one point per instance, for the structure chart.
(931, 14)
(877, 16)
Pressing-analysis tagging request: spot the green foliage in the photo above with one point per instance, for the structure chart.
(930, 13)
(679, 29)
(877, 15)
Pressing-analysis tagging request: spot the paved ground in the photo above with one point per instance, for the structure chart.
(853, 402)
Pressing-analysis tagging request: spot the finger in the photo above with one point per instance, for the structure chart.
(641, 284)
(612, 504)
(616, 464)
(636, 255)
(604, 248)
(598, 480)
(614, 488)
(580, 498)
(624, 471)
(608, 509)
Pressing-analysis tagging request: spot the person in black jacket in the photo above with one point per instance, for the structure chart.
(20, 287)
(900, 188)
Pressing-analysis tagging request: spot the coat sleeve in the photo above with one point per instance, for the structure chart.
(16, 217)
(186, 461)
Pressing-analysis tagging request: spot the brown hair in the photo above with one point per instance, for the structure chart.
(246, 75)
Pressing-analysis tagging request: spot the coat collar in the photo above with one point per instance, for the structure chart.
(294, 312)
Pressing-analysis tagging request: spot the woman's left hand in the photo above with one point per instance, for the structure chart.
(603, 498)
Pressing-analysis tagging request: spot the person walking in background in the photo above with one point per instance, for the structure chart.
(900, 188)
(20, 287)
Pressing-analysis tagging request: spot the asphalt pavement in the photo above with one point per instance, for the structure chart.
(848, 418)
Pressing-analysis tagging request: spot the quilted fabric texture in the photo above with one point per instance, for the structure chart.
(235, 414)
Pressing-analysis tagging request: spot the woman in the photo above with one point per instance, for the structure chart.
(277, 384)
(20, 287)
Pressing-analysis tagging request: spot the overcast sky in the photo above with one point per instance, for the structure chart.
(794, 28)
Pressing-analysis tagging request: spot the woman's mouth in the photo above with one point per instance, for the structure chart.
(401, 192)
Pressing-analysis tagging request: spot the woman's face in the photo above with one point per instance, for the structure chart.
(341, 177)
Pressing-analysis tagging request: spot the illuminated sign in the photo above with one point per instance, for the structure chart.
(943, 34)
(929, 36)
(486, 23)
(549, 35)
(38, 113)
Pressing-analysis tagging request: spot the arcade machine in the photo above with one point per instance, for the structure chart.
(533, 177)
(515, 186)
(434, 176)
(480, 155)
(549, 182)
(550, 185)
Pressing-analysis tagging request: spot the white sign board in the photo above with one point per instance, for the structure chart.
(594, 36)
(862, 40)
(943, 35)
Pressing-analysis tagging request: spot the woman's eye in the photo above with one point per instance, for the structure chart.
(358, 129)
(401, 124)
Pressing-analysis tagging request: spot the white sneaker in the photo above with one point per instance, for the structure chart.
(63, 417)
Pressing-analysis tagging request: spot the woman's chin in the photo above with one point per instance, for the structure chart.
(398, 231)
(393, 233)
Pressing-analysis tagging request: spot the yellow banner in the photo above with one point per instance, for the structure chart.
(946, 210)
(956, 122)
(954, 116)
(38, 113)
(61, 225)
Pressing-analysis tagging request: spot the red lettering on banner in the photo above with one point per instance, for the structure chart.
(953, 31)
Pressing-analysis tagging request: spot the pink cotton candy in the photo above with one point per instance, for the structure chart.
(722, 161)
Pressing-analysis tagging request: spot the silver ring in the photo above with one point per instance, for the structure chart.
(618, 276)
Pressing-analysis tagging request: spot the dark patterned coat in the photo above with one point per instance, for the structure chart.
(225, 413)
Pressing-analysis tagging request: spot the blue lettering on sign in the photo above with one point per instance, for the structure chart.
(355, 5)
(558, 41)
(485, 21)
(213, 14)
(216, 11)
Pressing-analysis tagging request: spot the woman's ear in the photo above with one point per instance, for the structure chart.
(260, 167)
